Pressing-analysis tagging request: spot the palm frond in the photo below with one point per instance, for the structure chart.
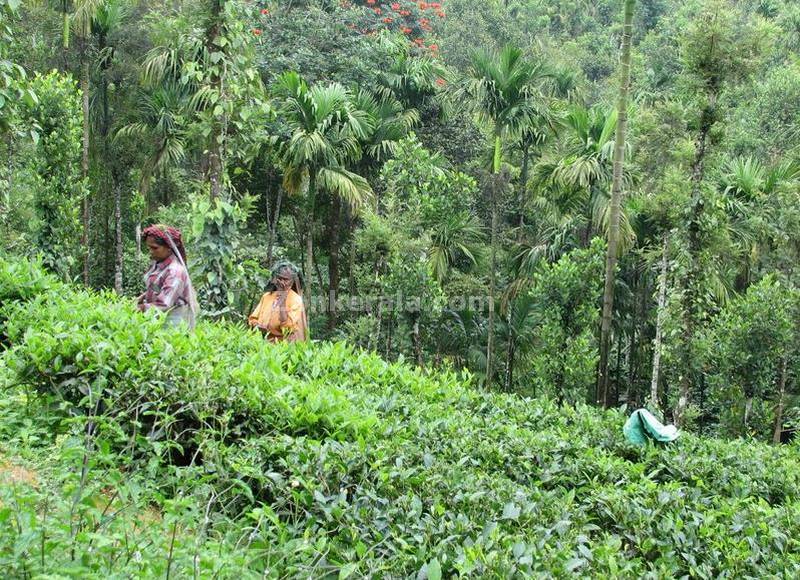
(352, 188)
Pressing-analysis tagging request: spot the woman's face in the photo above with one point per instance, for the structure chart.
(283, 280)
(158, 252)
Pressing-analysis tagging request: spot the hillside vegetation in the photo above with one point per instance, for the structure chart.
(588, 201)
(128, 449)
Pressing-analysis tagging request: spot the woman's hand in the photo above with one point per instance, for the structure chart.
(283, 313)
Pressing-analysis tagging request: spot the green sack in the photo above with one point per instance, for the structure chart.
(642, 426)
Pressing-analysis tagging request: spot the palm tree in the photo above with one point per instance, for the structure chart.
(326, 129)
(388, 122)
(749, 188)
(206, 52)
(453, 240)
(64, 7)
(161, 113)
(104, 18)
(561, 83)
(585, 164)
(615, 208)
(503, 91)
(412, 80)
(82, 18)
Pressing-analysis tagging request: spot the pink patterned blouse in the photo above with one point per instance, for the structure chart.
(167, 284)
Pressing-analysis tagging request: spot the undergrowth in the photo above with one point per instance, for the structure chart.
(214, 454)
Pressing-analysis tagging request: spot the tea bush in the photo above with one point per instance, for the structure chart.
(314, 460)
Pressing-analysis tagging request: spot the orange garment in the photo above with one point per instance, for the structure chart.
(266, 316)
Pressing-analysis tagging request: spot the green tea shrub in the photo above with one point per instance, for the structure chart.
(316, 460)
(23, 280)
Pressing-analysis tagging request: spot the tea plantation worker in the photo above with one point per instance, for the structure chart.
(167, 282)
(281, 314)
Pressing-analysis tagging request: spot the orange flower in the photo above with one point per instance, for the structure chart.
(257, 31)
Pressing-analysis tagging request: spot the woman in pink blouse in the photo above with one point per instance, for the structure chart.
(167, 282)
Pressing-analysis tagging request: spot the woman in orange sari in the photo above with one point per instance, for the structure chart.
(281, 314)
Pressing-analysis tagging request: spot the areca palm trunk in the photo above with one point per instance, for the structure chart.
(65, 24)
(118, 238)
(602, 391)
(523, 185)
(510, 353)
(85, 161)
(662, 302)
(309, 267)
(495, 184)
(333, 262)
(111, 163)
(214, 148)
(273, 225)
(778, 427)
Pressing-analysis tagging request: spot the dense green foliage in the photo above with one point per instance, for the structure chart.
(442, 174)
(168, 450)
(443, 155)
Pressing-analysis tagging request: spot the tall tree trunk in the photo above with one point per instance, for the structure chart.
(111, 164)
(510, 354)
(214, 171)
(523, 186)
(616, 202)
(653, 400)
(333, 261)
(309, 237)
(494, 187)
(65, 25)
(379, 306)
(631, 360)
(320, 281)
(85, 161)
(778, 428)
(748, 410)
(108, 243)
(693, 275)
(118, 244)
(417, 340)
(389, 336)
(492, 276)
(273, 225)
(351, 259)
(138, 234)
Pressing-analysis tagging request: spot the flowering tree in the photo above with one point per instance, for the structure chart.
(414, 19)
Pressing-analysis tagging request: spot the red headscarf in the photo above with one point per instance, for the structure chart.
(164, 234)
